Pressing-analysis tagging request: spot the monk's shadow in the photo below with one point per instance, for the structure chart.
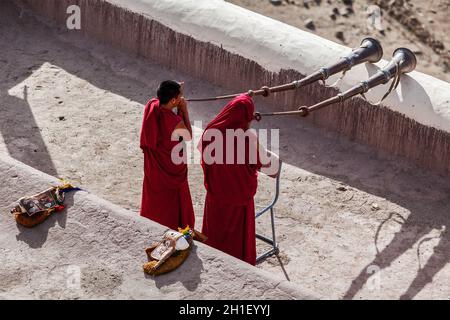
(36, 237)
(413, 230)
(438, 260)
(188, 273)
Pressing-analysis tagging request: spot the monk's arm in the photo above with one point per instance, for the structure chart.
(184, 114)
(181, 130)
(186, 123)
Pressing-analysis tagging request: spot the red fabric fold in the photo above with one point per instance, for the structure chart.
(229, 208)
(166, 197)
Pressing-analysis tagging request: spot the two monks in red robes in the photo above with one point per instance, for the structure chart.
(166, 197)
(230, 169)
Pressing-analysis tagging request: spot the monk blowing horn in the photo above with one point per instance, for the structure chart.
(369, 51)
(403, 61)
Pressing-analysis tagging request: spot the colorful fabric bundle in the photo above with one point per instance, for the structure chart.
(33, 210)
(169, 253)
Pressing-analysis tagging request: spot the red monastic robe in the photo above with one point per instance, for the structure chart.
(166, 198)
(229, 213)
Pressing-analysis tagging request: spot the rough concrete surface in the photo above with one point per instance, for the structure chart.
(346, 210)
(106, 243)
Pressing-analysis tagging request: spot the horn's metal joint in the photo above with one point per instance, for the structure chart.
(304, 111)
(266, 90)
(325, 73)
(365, 86)
(350, 62)
(387, 75)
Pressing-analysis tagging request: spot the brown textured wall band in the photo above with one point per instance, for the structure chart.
(376, 126)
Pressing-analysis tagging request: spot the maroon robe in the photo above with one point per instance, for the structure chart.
(166, 198)
(229, 213)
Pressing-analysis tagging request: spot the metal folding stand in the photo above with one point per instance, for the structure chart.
(272, 241)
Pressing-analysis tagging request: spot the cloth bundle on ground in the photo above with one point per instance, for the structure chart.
(31, 211)
(169, 253)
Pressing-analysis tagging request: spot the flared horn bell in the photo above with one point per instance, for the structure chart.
(405, 58)
(370, 50)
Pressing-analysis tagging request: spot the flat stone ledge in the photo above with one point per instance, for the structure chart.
(105, 244)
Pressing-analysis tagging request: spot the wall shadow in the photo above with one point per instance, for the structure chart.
(18, 126)
(21, 133)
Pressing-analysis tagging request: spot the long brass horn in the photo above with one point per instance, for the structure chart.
(403, 61)
(370, 50)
